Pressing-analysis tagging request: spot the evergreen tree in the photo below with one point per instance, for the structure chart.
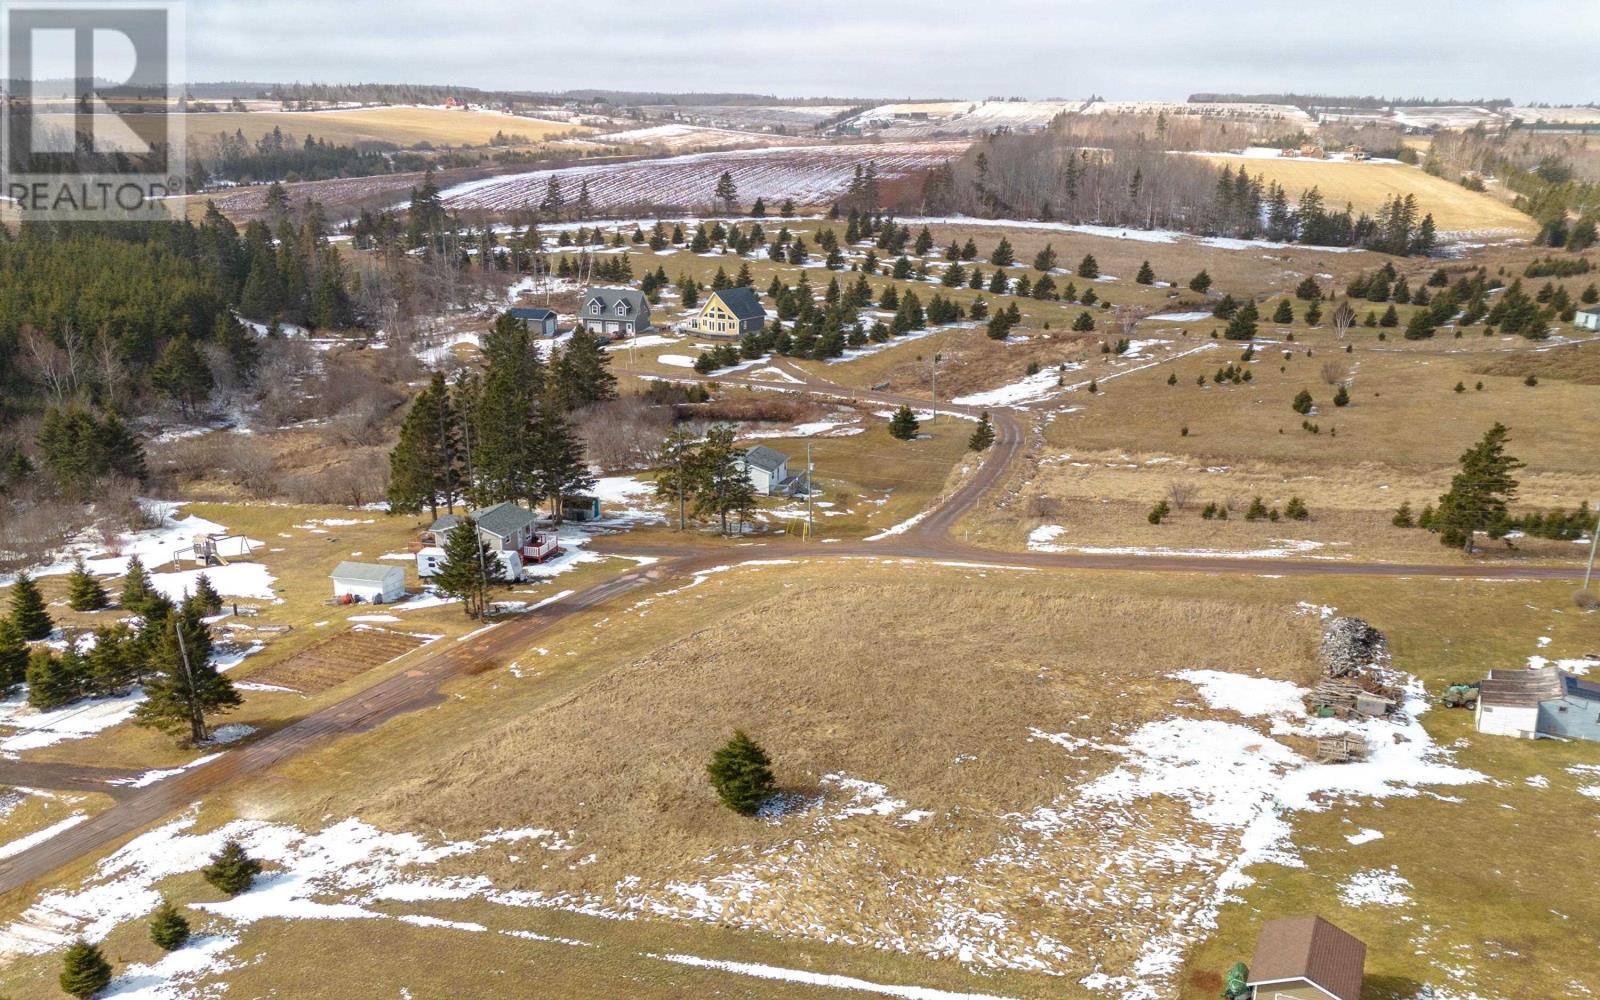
(1284, 313)
(1084, 323)
(1003, 255)
(679, 478)
(983, 436)
(1479, 494)
(28, 612)
(182, 374)
(84, 970)
(723, 487)
(184, 685)
(13, 658)
(1302, 402)
(903, 425)
(583, 371)
(727, 193)
(1045, 260)
(137, 590)
(168, 928)
(470, 568)
(84, 592)
(1146, 275)
(1200, 282)
(558, 456)
(423, 467)
(741, 773)
(1308, 290)
(50, 682)
(1088, 267)
(231, 870)
(206, 599)
(1342, 396)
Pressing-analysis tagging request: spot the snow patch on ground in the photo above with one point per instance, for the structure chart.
(1375, 887)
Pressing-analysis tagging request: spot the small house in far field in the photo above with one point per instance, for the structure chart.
(1587, 319)
(1546, 701)
(541, 322)
(369, 582)
(730, 313)
(507, 529)
(1306, 958)
(615, 312)
(768, 470)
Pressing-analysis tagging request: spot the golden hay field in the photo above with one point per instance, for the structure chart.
(402, 126)
(1366, 185)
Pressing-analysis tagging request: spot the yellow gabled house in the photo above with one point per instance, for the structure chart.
(730, 313)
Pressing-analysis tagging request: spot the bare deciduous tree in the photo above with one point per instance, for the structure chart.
(1181, 494)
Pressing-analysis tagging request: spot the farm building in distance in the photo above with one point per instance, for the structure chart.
(1587, 319)
(731, 312)
(369, 582)
(615, 312)
(768, 471)
(1306, 958)
(509, 530)
(1546, 701)
(541, 322)
(580, 507)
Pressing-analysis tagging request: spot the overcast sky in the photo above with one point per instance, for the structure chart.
(1133, 49)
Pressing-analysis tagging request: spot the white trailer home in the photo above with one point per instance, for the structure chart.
(370, 583)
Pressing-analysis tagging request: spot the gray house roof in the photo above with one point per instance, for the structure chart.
(634, 301)
(355, 572)
(743, 303)
(1575, 688)
(532, 314)
(1521, 688)
(501, 520)
(765, 458)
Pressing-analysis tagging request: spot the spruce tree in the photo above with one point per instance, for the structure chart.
(1479, 494)
(84, 970)
(1088, 267)
(183, 685)
(168, 928)
(28, 612)
(582, 374)
(1003, 255)
(84, 592)
(1342, 396)
(1146, 275)
(231, 870)
(903, 425)
(470, 568)
(1045, 260)
(1084, 323)
(50, 685)
(1284, 313)
(137, 590)
(13, 658)
(182, 375)
(206, 599)
(559, 465)
(741, 774)
(1302, 402)
(983, 435)
(1200, 282)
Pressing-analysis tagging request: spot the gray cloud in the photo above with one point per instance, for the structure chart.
(1137, 49)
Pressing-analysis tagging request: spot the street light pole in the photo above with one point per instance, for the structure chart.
(1594, 543)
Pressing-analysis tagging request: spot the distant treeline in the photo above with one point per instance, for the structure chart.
(1309, 101)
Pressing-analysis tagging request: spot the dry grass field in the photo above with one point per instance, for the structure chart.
(1366, 185)
(944, 851)
(403, 126)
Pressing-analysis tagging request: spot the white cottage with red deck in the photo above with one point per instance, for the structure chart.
(509, 530)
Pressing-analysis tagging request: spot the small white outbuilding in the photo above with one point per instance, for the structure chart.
(369, 582)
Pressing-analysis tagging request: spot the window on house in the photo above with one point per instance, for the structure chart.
(594, 308)
(622, 308)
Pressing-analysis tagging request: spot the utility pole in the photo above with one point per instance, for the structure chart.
(810, 472)
(1594, 543)
(197, 719)
(935, 364)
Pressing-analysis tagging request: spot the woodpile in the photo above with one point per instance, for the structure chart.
(1341, 749)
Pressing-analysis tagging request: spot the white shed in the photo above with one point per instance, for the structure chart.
(1587, 319)
(369, 582)
(1509, 700)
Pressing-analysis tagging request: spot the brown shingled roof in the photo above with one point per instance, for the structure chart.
(1309, 948)
(1521, 688)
